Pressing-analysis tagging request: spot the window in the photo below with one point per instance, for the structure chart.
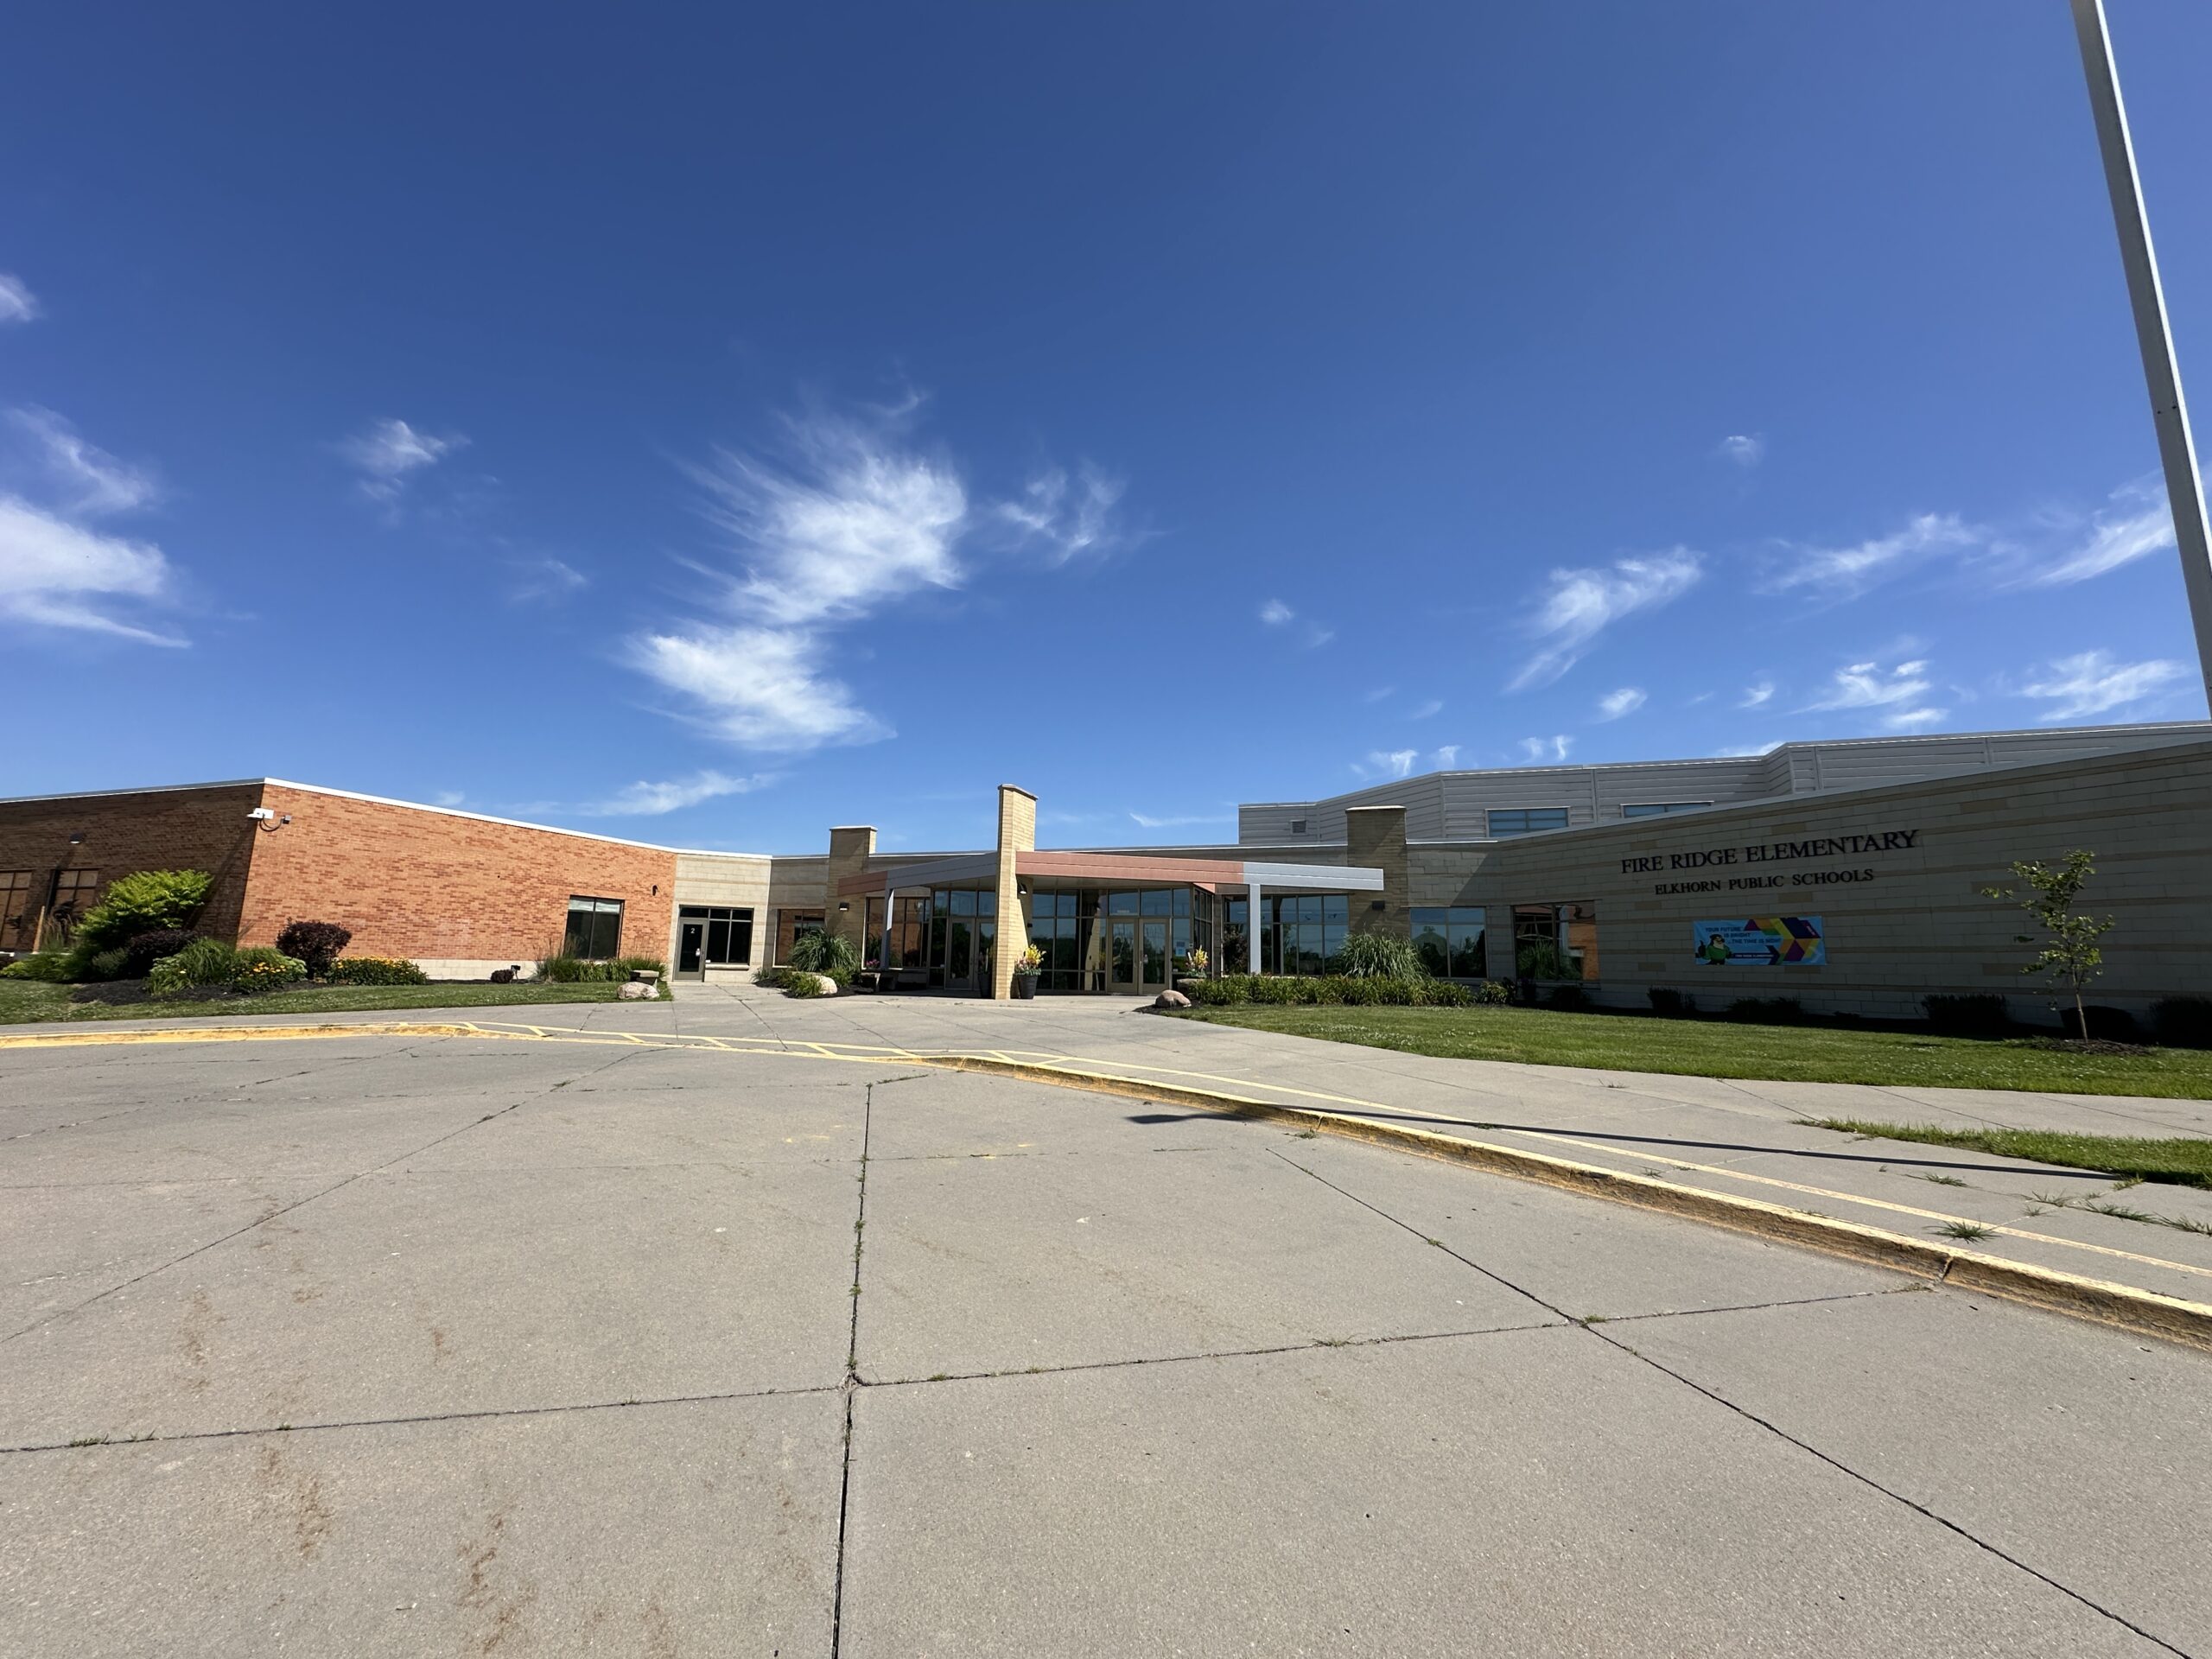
(1526, 820)
(75, 892)
(594, 929)
(1302, 932)
(1555, 942)
(18, 916)
(724, 937)
(1298, 826)
(1449, 941)
(1660, 809)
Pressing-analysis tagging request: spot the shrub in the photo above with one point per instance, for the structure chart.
(147, 949)
(378, 970)
(1544, 959)
(1372, 955)
(316, 944)
(770, 976)
(2184, 1021)
(1568, 999)
(816, 952)
(1672, 1004)
(1489, 993)
(50, 966)
(1768, 1010)
(1357, 990)
(204, 962)
(104, 965)
(139, 903)
(1972, 1014)
(263, 967)
(801, 983)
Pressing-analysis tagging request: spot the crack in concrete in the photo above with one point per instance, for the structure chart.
(285, 1209)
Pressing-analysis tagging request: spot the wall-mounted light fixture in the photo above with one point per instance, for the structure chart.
(1377, 904)
(77, 839)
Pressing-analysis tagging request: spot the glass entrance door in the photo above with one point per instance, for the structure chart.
(1153, 962)
(691, 940)
(1121, 964)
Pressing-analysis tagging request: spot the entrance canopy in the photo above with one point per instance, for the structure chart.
(1107, 869)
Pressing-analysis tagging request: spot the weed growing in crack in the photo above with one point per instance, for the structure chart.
(1940, 1180)
(1966, 1229)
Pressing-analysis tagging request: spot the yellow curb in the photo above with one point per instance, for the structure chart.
(2146, 1313)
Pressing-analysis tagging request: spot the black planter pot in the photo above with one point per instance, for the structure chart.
(1025, 987)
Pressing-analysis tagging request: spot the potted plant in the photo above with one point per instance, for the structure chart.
(1194, 966)
(1024, 973)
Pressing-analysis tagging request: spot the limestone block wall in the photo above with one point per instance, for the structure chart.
(1375, 837)
(1017, 833)
(1895, 873)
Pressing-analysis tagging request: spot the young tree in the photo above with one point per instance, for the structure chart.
(2070, 951)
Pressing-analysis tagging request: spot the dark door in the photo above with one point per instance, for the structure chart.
(689, 938)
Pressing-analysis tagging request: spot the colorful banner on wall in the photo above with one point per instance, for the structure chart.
(1762, 942)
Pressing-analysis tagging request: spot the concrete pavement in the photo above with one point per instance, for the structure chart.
(390, 1346)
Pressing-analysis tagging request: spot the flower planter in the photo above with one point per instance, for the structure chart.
(1025, 987)
(1187, 983)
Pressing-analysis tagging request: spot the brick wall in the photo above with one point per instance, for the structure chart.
(143, 829)
(460, 895)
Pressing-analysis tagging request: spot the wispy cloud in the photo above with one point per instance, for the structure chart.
(1546, 749)
(1180, 819)
(759, 688)
(1844, 572)
(56, 571)
(1276, 614)
(1427, 710)
(545, 577)
(1626, 700)
(1914, 720)
(2092, 682)
(1745, 449)
(385, 452)
(87, 480)
(1387, 763)
(1377, 694)
(1578, 605)
(17, 302)
(1755, 694)
(2134, 523)
(1068, 517)
(447, 797)
(1869, 685)
(641, 799)
(1447, 757)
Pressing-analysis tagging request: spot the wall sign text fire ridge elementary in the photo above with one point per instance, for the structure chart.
(1775, 852)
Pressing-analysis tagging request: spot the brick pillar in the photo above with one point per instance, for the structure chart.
(850, 849)
(1375, 837)
(1017, 833)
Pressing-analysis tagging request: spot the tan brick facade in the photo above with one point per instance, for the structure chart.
(1017, 833)
(1375, 838)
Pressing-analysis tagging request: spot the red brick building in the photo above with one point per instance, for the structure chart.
(457, 891)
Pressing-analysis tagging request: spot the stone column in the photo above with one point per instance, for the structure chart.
(1017, 833)
(850, 849)
(1375, 837)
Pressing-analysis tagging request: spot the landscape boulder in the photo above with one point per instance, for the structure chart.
(637, 990)
(1170, 999)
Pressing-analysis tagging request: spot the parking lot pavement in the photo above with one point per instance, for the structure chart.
(390, 1346)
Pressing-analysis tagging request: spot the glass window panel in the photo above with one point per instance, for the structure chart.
(963, 903)
(718, 939)
(987, 903)
(1466, 951)
(1336, 906)
(1121, 904)
(1159, 903)
(1065, 903)
(1238, 911)
(1332, 939)
(1522, 821)
(1660, 809)
(1182, 901)
(1429, 943)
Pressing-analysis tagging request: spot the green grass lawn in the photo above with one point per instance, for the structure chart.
(23, 1000)
(2185, 1161)
(1720, 1049)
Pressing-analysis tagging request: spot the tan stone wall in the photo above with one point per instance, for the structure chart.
(142, 830)
(1375, 837)
(1017, 833)
(1917, 923)
(465, 893)
(740, 881)
(850, 849)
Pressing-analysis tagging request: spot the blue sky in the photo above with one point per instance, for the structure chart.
(709, 424)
